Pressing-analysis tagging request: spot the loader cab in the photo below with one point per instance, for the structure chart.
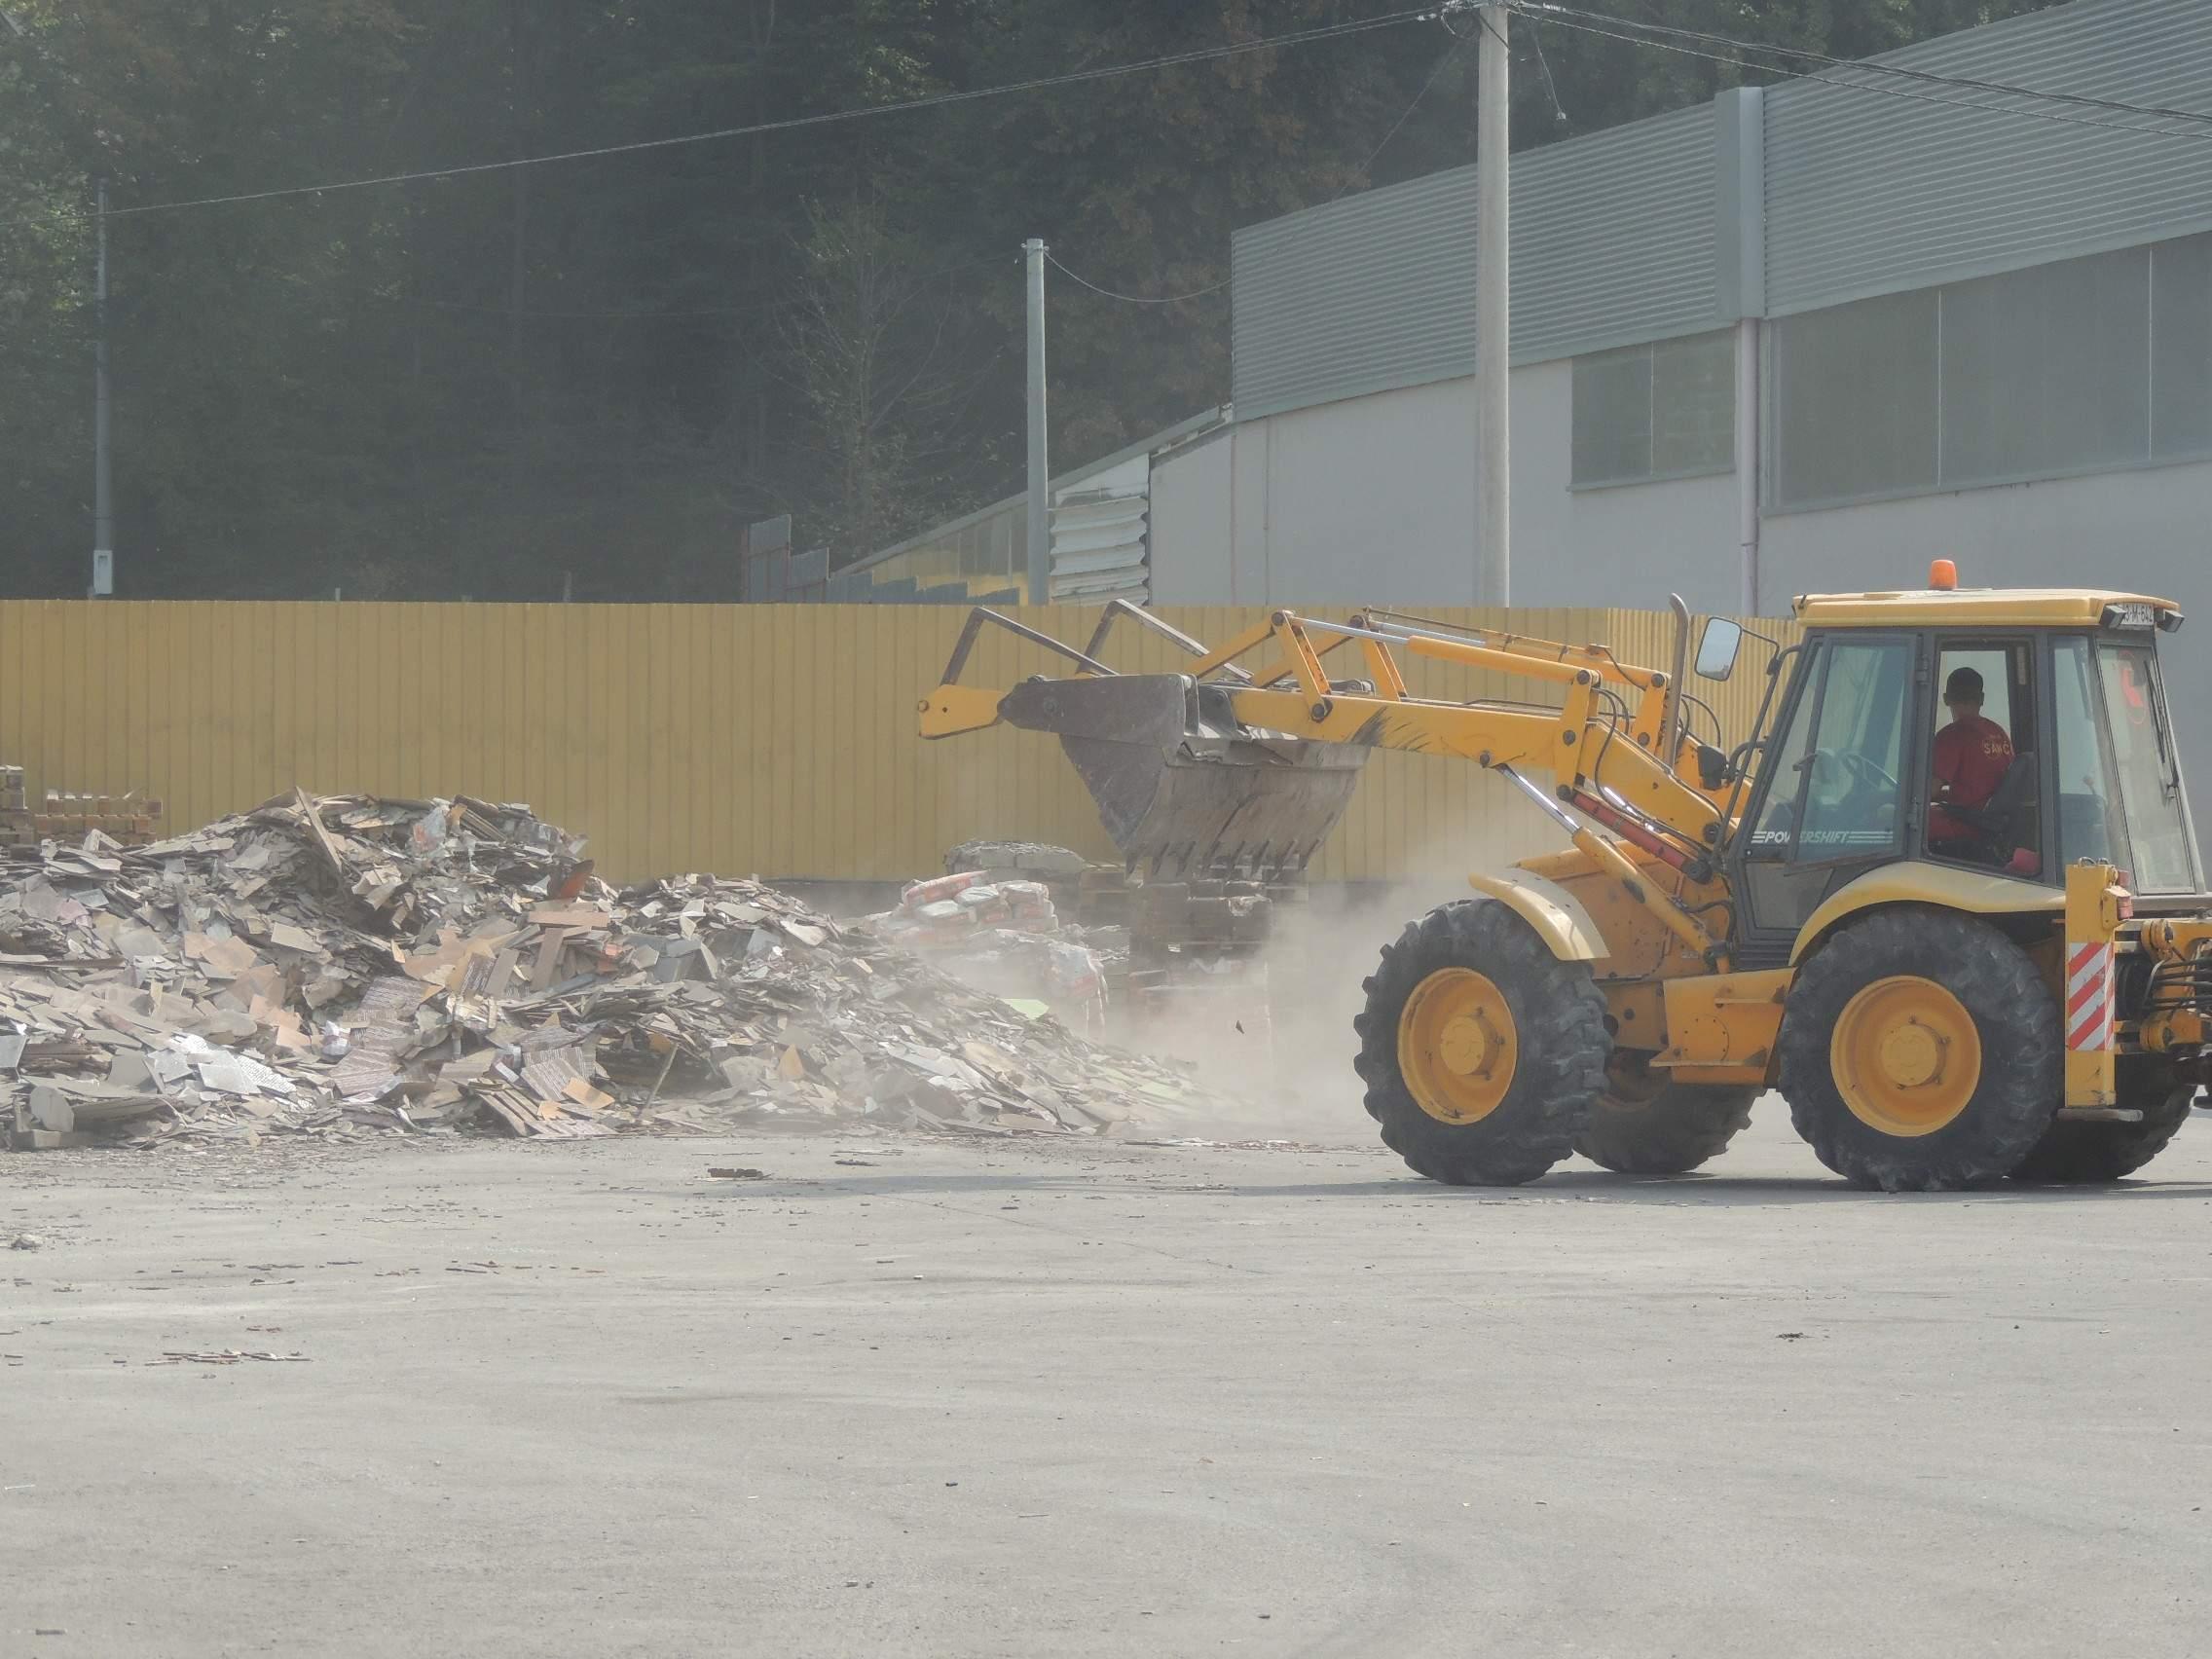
(2000, 735)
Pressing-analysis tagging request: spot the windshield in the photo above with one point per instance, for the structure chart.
(2148, 768)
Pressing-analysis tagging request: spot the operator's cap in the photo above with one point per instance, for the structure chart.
(1964, 686)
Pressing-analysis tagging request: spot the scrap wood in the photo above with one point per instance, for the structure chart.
(522, 1115)
(372, 1061)
(229, 1356)
(554, 1061)
(556, 940)
(310, 815)
(582, 1094)
(232, 983)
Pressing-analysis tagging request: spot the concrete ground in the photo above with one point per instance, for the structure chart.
(1025, 1398)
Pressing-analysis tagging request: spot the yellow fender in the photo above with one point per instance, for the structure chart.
(1915, 882)
(1556, 915)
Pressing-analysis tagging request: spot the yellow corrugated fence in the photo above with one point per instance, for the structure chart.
(770, 740)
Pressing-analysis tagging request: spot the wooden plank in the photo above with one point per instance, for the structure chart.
(313, 818)
(554, 914)
(548, 959)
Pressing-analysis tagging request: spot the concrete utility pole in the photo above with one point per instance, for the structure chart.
(1040, 459)
(1748, 417)
(1494, 312)
(103, 501)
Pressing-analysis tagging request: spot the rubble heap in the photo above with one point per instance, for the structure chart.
(1004, 938)
(1179, 961)
(351, 964)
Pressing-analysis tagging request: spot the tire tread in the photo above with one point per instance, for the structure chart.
(1562, 1043)
(2022, 1078)
(1683, 1127)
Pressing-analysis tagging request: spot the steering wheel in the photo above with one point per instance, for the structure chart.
(1866, 769)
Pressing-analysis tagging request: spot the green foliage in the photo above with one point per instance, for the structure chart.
(475, 384)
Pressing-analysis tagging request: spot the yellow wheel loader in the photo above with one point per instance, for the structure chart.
(1961, 955)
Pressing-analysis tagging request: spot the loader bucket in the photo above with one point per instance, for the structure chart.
(1184, 791)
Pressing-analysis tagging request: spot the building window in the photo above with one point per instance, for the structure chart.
(2043, 370)
(2080, 366)
(1651, 411)
(1855, 400)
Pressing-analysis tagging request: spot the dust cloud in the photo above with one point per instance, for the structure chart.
(1282, 1044)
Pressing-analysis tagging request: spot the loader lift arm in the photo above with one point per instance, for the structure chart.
(1601, 746)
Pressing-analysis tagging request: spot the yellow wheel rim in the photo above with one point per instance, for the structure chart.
(1456, 1047)
(1907, 1056)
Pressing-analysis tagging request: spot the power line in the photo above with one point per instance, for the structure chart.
(1134, 298)
(756, 308)
(1536, 39)
(1874, 67)
(933, 100)
(1442, 59)
(1560, 15)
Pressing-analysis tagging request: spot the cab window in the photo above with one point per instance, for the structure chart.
(2148, 768)
(1834, 791)
(2089, 821)
(1774, 834)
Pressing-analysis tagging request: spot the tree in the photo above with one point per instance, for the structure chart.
(486, 382)
(1604, 79)
(872, 338)
(45, 355)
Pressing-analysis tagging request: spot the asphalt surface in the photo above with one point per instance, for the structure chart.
(936, 1397)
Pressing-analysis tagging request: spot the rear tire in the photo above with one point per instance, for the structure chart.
(1558, 1047)
(1646, 1123)
(1951, 961)
(2072, 1153)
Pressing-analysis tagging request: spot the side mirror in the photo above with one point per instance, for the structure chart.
(1717, 651)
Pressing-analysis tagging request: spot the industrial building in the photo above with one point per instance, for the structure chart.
(1802, 337)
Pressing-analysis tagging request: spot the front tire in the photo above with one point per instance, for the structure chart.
(1483, 1054)
(1646, 1123)
(1920, 1053)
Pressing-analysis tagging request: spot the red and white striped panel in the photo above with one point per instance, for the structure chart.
(2088, 997)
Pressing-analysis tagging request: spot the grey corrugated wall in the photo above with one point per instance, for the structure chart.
(1613, 243)
(1613, 237)
(1874, 191)
(1372, 292)
(1865, 191)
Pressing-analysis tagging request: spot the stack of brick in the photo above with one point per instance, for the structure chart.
(127, 820)
(1172, 953)
(1002, 936)
(952, 908)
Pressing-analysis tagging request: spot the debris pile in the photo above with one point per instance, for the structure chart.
(1180, 961)
(1003, 937)
(351, 965)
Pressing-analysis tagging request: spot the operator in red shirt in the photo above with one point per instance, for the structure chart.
(1972, 758)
